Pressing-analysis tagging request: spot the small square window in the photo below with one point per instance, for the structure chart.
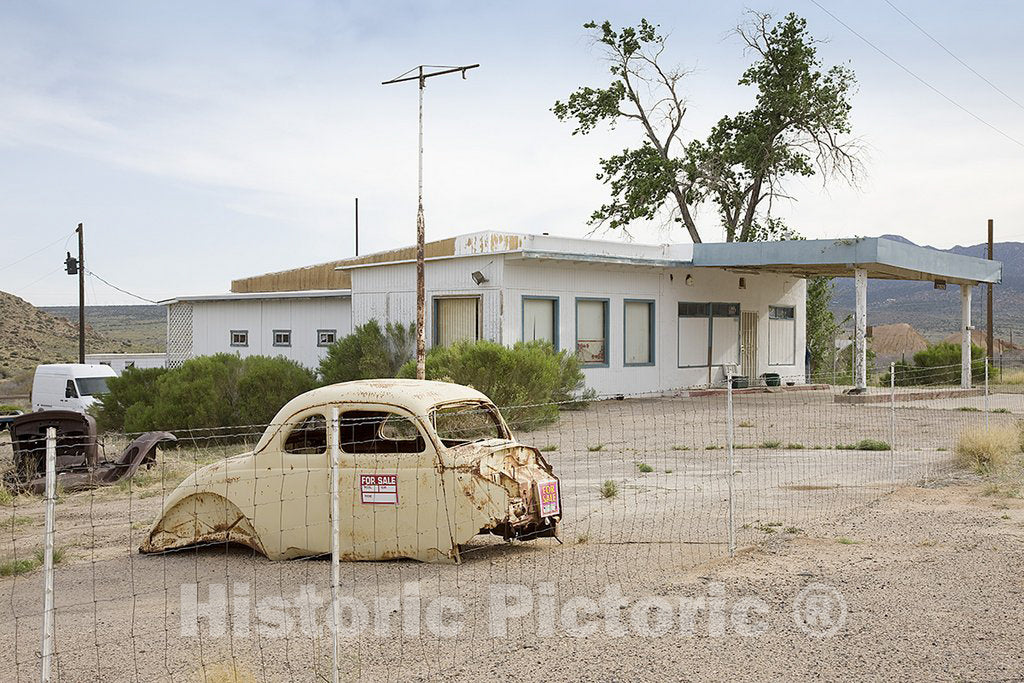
(326, 337)
(282, 337)
(239, 337)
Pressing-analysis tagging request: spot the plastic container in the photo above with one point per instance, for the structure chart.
(772, 379)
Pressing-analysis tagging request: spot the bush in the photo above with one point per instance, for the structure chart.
(865, 445)
(525, 381)
(939, 364)
(369, 353)
(209, 391)
(988, 450)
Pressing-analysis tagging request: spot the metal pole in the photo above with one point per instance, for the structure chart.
(990, 332)
(81, 293)
(732, 468)
(421, 302)
(892, 421)
(421, 77)
(335, 535)
(357, 226)
(51, 500)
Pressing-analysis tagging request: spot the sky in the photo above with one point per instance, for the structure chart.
(204, 141)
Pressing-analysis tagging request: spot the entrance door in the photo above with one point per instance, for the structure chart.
(748, 349)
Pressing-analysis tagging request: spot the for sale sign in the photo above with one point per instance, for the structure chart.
(379, 489)
(547, 493)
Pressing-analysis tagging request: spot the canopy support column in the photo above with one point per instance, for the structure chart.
(860, 347)
(965, 344)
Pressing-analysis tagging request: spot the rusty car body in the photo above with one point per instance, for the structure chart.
(79, 464)
(424, 467)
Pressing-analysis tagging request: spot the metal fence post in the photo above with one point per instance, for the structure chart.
(892, 422)
(335, 536)
(51, 500)
(732, 468)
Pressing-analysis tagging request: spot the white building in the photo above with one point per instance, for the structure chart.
(641, 318)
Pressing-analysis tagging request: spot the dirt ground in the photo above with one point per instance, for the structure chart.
(928, 565)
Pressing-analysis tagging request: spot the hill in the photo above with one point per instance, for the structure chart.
(936, 313)
(143, 327)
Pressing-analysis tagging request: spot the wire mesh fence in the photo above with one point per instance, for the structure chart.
(214, 558)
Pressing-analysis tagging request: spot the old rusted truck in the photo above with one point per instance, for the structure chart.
(424, 467)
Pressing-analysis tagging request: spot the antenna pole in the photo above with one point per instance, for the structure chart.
(421, 76)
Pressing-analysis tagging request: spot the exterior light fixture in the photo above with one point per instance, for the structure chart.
(478, 277)
(689, 281)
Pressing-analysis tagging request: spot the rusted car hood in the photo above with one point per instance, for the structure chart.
(491, 453)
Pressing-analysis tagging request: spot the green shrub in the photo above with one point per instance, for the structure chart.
(369, 352)
(865, 445)
(525, 381)
(209, 391)
(645, 468)
(939, 364)
(609, 489)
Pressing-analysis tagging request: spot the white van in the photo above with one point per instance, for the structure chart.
(69, 386)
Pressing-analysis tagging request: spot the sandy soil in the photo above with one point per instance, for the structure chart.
(930, 577)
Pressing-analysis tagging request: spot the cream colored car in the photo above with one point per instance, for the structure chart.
(425, 467)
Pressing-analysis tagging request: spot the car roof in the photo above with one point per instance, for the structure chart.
(417, 396)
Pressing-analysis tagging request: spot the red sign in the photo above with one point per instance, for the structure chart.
(379, 489)
(550, 503)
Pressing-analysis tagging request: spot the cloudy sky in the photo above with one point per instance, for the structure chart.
(203, 141)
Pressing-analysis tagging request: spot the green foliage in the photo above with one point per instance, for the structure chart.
(9, 409)
(609, 489)
(795, 129)
(208, 391)
(525, 381)
(865, 445)
(938, 364)
(822, 328)
(370, 352)
(645, 468)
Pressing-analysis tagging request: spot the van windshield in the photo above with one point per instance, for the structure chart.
(91, 386)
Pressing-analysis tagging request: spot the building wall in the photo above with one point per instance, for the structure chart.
(666, 287)
(213, 321)
(387, 293)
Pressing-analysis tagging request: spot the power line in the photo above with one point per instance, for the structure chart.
(918, 78)
(40, 250)
(123, 291)
(950, 53)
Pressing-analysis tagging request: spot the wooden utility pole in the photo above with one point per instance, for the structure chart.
(81, 293)
(421, 76)
(990, 339)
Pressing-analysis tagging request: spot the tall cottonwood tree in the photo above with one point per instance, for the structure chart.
(799, 126)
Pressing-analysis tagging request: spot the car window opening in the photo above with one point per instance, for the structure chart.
(467, 422)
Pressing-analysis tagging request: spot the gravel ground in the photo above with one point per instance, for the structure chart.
(930, 575)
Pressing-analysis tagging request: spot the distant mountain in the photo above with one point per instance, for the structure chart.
(936, 313)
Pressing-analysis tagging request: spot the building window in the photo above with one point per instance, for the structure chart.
(239, 337)
(708, 331)
(282, 337)
(326, 337)
(540, 319)
(456, 319)
(592, 331)
(781, 335)
(638, 332)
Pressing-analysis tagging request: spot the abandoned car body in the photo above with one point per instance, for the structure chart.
(78, 462)
(424, 467)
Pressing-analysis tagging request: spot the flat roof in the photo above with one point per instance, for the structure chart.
(882, 258)
(233, 296)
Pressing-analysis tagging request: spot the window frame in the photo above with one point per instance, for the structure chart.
(772, 308)
(299, 421)
(243, 344)
(320, 343)
(554, 312)
(273, 338)
(651, 327)
(436, 322)
(710, 316)
(607, 330)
